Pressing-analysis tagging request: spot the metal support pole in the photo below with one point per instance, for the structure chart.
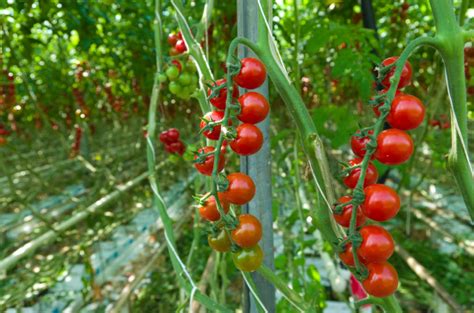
(258, 167)
(368, 16)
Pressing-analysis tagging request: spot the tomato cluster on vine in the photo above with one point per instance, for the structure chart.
(170, 138)
(238, 233)
(378, 202)
(176, 41)
(181, 78)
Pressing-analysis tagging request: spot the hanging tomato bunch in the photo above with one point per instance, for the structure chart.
(240, 233)
(377, 202)
(177, 43)
(181, 78)
(170, 138)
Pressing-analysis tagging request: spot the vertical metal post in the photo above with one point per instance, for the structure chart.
(368, 16)
(258, 167)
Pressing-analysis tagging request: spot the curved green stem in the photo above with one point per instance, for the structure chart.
(293, 297)
(451, 39)
(158, 202)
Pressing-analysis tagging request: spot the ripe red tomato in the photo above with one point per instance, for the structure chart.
(407, 112)
(248, 141)
(358, 144)
(344, 219)
(221, 242)
(405, 78)
(382, 280)
(370, 177)
(3, 141)
(241, 189)
(213, 116)
(172, 39)
(254, 108)
(381, 202)
(209, 209)
(252, 73)
(249, 231)
(377, 244)
(248, 260)
(180, 46)
(176, 147)
(220, 101)
(206, 167)
(169, 136)
(346, 256)
(394, 147)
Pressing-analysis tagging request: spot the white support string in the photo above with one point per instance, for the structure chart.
(456, 126)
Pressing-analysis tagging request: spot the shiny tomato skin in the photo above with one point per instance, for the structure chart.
(370, 177)
(358, 144)
(252, 73)
(249, 139)
(254, 108)
(220, 100)
(377, 244)
(405, 78)
(344, 219)
(172, 39)
(241, 188)
(249, 259)
(213, 116)
(209, 211)
(394, 147)
(346, 256)
(381, 202)
(169, 136)
(249, 231)
(176, 147)
(206, 167)
(180, 46)
(382, 280)
(221, 242)
(407, 112)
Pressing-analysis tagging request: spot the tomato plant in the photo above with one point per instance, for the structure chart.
(394, 147)
(241, 188)
(377, 244)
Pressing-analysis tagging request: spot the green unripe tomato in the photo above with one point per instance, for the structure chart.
(248, 259)
(184, 79)
(190, 67)
(162, 78)
(175, 88)
(190, 90)
(194, 80)
(172, 72)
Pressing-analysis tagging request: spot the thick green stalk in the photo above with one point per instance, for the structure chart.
(293, 297)
(183, 277)
(451, 47)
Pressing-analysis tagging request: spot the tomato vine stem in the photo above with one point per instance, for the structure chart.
(451, 39)
(183, 277)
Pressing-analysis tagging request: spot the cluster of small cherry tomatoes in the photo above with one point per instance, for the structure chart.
(173, 145)
(381, 203)
(243, 237)
(176, 41)
(4, 133)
